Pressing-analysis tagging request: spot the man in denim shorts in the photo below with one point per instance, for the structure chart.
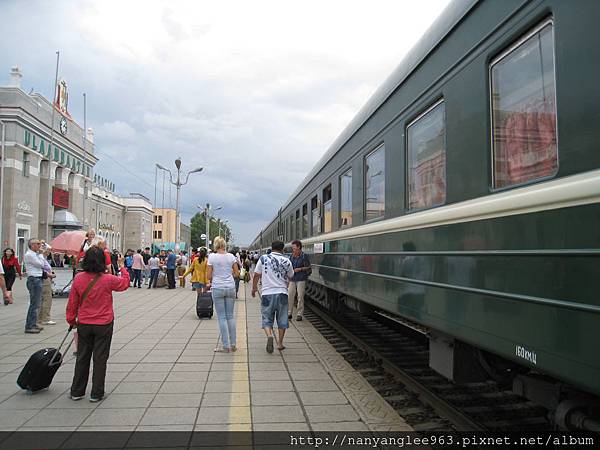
(275, 271)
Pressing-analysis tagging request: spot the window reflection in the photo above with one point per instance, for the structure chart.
(426, 145)
(524, 111)
(375, 184)
(305, 221)
(316, 218)
(327, 209)
(346, 199)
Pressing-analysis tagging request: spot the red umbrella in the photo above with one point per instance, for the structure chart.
(68, 242)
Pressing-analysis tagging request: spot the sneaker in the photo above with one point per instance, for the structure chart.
(39, 328)
(299, 319)
(32, 330)
(49, 322)
(290, 317)
(76, 397)
(270, 344)
(96, 400)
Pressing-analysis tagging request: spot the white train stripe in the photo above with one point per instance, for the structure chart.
(580, 189)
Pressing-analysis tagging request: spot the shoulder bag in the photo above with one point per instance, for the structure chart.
(87, 290)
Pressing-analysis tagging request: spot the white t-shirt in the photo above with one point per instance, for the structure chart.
(276, 270)
(222, 276)
(154, 263)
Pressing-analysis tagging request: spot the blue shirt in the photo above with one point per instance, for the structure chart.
(171, 261)
(300, 261)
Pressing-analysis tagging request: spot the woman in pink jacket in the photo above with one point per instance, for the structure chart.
(93, 316)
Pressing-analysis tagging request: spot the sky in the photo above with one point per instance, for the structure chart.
(252, 91)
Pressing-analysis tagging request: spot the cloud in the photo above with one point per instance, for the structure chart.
(254, 92)
(116, 131)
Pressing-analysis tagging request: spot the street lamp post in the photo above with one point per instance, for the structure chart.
(223, 223)
(178, 184)
(207, 209)
(2, 144)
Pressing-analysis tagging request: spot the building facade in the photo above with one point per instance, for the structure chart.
(47, 176)
(125, 222)
(47, 166)
(164, 230)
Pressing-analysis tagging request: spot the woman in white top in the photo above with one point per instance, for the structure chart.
(154, 265)
(89, 239)
(222, 268)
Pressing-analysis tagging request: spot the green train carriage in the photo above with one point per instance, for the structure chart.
(465, 197)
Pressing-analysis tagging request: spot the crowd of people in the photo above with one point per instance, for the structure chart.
(39, 282)
(98, 273)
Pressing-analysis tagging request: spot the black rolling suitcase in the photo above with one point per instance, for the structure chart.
(41, 367)
(204, 305)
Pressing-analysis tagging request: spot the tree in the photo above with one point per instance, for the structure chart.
(198, 227)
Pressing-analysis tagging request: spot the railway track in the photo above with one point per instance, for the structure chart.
(401, 375)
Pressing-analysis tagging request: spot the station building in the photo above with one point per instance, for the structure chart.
(48, 171)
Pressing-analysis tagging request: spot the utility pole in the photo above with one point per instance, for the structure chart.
(2, 180)
(178, 185)
(84, 155)
(52, 120)
(207, 220)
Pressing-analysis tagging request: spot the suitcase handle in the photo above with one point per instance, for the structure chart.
(52, 362)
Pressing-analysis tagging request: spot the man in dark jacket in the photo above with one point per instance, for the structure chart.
(302, 271)
(146, 256)
(171, 265)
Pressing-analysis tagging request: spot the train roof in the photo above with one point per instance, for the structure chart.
(442, 26)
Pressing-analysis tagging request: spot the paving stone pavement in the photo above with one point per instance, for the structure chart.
(164, 375)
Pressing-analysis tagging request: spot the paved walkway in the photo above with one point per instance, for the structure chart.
(164, 375)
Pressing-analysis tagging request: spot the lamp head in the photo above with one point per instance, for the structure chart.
(178, 163)
(161, 167)
(199, 169)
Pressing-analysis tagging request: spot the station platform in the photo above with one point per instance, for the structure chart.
(163, 374)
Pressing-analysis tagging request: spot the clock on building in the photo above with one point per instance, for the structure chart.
(63, 126)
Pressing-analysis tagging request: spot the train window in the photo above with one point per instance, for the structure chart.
(426, 155)
(298, 234)
(327, 210)
(523, 101)
(315, 216)
(375, 184)
(305, 220)
(346, 199)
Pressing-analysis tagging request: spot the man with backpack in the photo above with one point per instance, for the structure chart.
(302, 271)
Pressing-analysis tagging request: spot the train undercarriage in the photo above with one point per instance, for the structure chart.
(568, 408)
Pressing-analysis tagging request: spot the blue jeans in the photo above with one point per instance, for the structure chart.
(153, 277)
(34, 285)
(274, 305)
(137, 277)
(224, 300)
